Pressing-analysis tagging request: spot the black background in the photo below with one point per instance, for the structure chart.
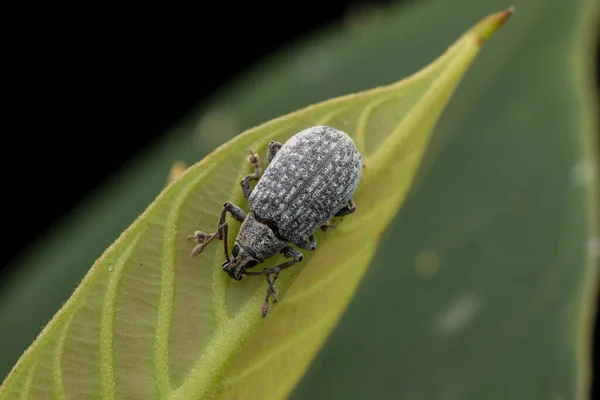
(81, 78)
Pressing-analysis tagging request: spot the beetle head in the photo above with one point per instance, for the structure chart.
(241, 260)
(254, 243)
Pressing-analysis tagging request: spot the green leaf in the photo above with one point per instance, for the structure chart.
(149, 321)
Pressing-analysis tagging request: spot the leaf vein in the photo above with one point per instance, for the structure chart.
(59, 387)
(25, 394)
(325, 120)
(365, 117)
(107, 373)
(167, 293)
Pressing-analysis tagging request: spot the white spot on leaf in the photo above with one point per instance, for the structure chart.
(593, 248)
(458, 315)
(582, 173)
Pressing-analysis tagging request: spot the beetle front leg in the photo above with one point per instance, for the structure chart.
(273, 273)
(245, 183)
(203, 239)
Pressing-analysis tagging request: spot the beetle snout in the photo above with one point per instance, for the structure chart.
(235, 274)
(231, 270)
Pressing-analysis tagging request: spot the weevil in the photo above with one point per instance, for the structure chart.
(309, 179)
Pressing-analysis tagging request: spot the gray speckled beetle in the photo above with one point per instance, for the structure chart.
(310, 179)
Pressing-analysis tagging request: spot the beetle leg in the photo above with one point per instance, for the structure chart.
(288, 251)
(273, 149)
(327, 226)
(349, 209)
(271, 291)
(203, 239)
(271, 285)
(310, 245)
(254, 160)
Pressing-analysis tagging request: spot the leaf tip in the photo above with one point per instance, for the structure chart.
(488, 26)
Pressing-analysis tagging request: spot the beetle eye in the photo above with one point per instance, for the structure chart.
(251, 263)
(236, 250)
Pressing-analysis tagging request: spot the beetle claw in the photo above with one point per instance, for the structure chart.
(199, 236)
(253, 159)
(265, 308)
(203, 239)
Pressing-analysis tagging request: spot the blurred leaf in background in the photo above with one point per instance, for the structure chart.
(484, 285)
